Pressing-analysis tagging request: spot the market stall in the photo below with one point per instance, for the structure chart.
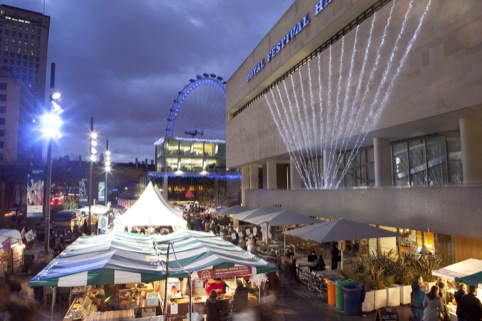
(123, 275)
(11, 251)
(151, 209)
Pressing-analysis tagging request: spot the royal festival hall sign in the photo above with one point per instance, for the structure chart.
(295, 30)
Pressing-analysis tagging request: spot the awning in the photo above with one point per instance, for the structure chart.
(468, 271)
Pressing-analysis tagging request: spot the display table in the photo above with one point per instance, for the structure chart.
(111, 315)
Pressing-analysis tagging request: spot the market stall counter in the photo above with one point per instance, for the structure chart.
(112, 304)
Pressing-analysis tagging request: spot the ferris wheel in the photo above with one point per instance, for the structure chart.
(199, 111)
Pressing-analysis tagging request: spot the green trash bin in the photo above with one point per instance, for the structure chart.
(340, 300)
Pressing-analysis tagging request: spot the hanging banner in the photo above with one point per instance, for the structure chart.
(83, 196)
(35, 193)
(101, 194)
(225, 272)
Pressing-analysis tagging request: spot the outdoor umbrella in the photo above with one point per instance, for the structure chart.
(232, 210)
(340, 230)
(253, 213)
(281, 218)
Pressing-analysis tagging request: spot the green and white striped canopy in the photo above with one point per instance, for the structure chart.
(120, 258)
(200, 252)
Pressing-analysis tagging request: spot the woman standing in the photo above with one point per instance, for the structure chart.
(432, 305)
(212, 304)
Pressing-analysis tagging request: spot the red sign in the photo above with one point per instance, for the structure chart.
(225, 272)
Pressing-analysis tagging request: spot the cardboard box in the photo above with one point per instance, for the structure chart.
(148, 312)
(152, 299)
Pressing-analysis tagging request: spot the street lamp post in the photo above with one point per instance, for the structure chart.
(51, 124)
(93, 158)
(107, 170)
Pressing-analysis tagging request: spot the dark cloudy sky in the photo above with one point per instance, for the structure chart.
(124, 61)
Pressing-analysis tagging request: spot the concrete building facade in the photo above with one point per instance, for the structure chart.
(394, 139)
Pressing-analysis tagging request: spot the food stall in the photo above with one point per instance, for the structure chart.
(123, 275)
(468, 271)
(11, 251)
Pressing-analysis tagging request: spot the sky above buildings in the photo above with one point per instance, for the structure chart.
(123, 62)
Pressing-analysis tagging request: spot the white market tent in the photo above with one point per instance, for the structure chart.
(468, 271)
(97, 209)
(151, 209)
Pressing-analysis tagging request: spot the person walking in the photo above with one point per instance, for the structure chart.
(470, 306)
(458, 299)
(445, 298)
(432, 305)
(335, 256)
(417, 297)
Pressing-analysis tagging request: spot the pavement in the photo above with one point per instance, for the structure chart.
(288, 303)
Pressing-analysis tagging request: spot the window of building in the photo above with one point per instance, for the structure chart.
(3, 109)
(3, 97)
(3, 85)
(1, 144)
(2, 132)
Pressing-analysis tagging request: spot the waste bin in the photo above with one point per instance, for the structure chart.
(353, 298)
(339, 292)
(331, 288)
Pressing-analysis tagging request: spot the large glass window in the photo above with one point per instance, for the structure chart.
(197, 149)
(171, 147)
(197, 165)
(209, 149)
(184, 148)
(171, 164)
(427, 161)
(186, 164)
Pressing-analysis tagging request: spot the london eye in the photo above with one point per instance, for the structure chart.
(199, 111)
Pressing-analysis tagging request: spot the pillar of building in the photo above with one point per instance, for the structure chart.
(165, 187)
(471, 145)
(253, 177)
(244, 183)
(271, 177)
(295, 178)
(383, 162)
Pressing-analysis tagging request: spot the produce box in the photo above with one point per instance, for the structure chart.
(152, 299)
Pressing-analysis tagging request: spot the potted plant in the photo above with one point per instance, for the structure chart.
(424, 266)
(403, 276)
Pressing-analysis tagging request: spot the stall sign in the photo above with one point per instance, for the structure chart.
(225, 272)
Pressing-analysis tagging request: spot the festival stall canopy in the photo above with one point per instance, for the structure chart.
(97, 209)
(208, 256)
(116, 258)
(468, 271)
(121, 257)
(150, 210)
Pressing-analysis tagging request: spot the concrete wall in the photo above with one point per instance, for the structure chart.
(448, 210)
(439, 83)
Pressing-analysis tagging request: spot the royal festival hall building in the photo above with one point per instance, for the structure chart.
(368, 110)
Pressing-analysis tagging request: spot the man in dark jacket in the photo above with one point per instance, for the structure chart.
(470, 307)
(458, 298)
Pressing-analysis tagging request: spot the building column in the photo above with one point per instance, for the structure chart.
(471, 142)
(253, 177)
(271, 177)
(383, 162)
(295, 178)
(165, 187)
(244, 183)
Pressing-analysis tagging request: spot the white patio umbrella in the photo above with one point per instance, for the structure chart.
(340, 230)
(281, 218)
(253, 213)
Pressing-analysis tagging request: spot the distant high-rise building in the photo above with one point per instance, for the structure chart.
(23, 62)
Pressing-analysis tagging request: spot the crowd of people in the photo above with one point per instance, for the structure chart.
(432, 304)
